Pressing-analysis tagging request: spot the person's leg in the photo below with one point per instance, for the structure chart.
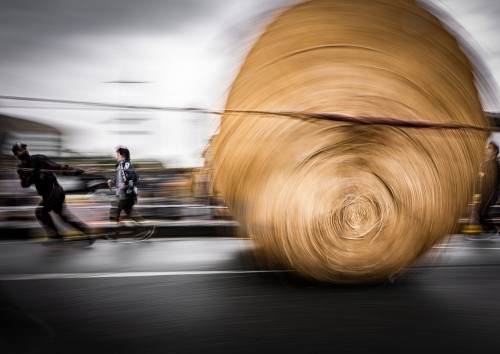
(61, 209)
(114, 211)
(142, 231)
(44, 218)
(114, 216)
(492, 202)
(128, 207)
(64, 213)
(485, 217)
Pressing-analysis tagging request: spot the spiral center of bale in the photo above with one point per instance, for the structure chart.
(357, 215)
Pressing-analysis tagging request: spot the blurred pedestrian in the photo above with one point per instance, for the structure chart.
(39, 170)
(125, 186)
(490, 195)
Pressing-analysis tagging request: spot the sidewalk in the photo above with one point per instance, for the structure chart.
(181, 228)
(19, 223)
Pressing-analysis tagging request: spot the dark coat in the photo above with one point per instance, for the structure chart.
(45, 182)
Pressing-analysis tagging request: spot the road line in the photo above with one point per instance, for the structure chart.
(128, 274)
(467, 247)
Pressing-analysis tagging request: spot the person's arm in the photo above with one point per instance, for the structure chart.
(24, 176)
(131, 178)
(112, 182)
(52, 165)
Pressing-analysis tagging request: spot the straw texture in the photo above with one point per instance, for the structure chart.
(342, 202)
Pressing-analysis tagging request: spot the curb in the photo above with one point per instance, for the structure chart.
(227, 229)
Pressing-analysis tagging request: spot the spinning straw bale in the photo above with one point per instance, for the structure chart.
(341, 201)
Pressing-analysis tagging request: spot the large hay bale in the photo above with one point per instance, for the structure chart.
(344, 202)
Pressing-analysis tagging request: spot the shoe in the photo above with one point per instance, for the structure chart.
(145, 233)
(55, 238)
(111, 236)
(88, 232)
(150, 232)
(52, 240)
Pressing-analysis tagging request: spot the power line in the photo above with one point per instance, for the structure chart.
(304, 115)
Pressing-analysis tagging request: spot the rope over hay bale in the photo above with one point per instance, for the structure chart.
(339, 201)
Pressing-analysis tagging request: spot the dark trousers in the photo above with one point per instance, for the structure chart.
(485, 217)
(126, 205)
(42, 213)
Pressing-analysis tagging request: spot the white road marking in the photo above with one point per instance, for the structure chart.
(129, 274)
(468, 248)
(46, 276)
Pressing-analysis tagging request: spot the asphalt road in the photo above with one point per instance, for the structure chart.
(199, 295)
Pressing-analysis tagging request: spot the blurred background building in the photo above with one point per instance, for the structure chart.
(44, 138)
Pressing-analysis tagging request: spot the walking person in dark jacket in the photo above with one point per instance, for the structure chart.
(489, 200)
(38, 170)
(125, 186)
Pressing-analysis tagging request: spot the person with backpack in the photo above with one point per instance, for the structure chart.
(125, 186)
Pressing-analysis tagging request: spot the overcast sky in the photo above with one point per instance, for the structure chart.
(180, 53)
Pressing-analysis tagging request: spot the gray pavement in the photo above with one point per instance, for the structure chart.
(210, 295)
